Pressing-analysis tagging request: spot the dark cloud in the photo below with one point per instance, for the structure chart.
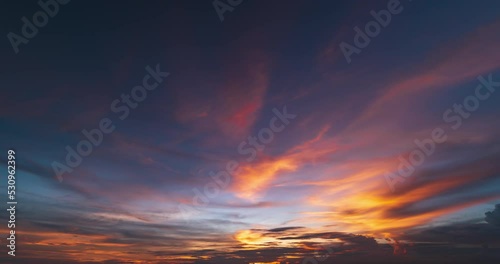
(465, 234)
(493, 217)
(360, 240)
(282, 229)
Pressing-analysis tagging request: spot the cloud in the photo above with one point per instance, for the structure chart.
(228, 104)
(457, 234)
(493, 217)
(282, 229)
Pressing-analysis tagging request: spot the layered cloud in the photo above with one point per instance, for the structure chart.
(316, 190)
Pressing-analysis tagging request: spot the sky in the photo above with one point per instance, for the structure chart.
(252, 131)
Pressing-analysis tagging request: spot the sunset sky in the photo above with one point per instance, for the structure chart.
(314, 143)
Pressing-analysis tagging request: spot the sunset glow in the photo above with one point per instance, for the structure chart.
(253, 132)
